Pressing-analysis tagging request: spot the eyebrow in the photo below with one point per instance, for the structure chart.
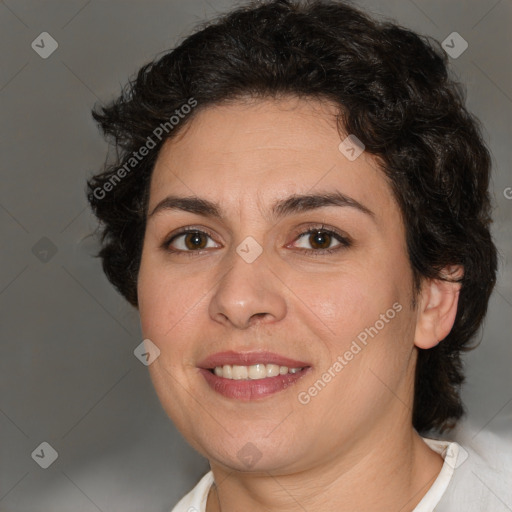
(295, 203)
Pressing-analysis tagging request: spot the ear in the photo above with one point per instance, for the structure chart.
(437, 308)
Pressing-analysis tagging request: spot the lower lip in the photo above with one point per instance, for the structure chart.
(251, 389)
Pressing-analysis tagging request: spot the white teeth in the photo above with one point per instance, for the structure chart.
(257, 371)
(227, 372)
(240, 372)
(273, 370)
(253, 372)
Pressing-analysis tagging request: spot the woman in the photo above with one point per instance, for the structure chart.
(300, 213)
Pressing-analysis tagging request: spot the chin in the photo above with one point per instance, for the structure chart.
(258, 456)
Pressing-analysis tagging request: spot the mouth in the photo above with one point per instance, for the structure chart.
(256, 371)
(251, 375)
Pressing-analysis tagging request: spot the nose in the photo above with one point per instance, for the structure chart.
(248, 293)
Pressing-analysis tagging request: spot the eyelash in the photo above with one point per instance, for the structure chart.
(344, 241)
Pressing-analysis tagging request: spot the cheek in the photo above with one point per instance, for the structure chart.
(366, 302)
(347, 300)
(166, 303)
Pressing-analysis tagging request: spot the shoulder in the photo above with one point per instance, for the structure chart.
(195, 500)
(482, 474)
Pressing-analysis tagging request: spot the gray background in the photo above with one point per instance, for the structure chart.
(68, 375)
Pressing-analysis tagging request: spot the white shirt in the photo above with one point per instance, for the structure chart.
(471, 480)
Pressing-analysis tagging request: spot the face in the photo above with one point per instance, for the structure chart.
(295, 257)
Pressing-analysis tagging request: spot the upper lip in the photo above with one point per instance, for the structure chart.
(247, 359)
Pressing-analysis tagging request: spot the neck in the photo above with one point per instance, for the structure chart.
(392, 473)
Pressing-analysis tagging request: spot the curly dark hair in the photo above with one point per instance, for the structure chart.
(394, 93)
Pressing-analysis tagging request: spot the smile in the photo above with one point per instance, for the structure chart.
(247, 388)
(251, 375)
(254, 372)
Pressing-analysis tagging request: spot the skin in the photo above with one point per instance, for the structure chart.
(352, 447)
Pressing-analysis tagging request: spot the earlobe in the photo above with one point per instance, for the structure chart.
(437, 308)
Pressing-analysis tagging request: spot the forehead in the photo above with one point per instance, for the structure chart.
(264, 150)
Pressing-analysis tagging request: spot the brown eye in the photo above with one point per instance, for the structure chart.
(320, 240)
(317, 241)
(195, 240)
(190, 240)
